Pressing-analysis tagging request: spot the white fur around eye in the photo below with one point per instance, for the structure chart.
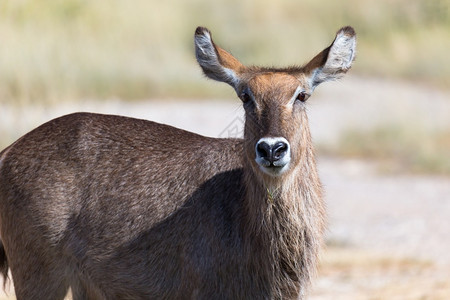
(297, 92)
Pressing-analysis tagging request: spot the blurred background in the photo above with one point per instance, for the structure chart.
(382, 133)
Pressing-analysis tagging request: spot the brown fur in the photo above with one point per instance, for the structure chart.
(121, 208)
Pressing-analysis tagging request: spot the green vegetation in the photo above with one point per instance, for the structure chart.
(57, 50)
(398, 148)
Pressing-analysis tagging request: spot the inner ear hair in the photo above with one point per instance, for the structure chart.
(342, 50)
(334, 61)
(215, 62)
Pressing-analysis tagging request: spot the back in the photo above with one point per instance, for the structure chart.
(89, 160)
(112, 179)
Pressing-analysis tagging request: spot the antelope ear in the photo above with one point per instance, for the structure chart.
(216, 63)
(334, 61)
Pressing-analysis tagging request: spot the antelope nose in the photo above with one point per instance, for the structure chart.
(271, 152)
(279, 150)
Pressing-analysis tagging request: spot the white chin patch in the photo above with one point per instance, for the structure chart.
(274, 171)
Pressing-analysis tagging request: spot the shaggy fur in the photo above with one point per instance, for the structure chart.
(121, 208)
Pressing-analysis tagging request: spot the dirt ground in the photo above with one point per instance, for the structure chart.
(388, 234)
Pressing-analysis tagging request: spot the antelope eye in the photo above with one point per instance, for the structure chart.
(301, 97)
(245, 97)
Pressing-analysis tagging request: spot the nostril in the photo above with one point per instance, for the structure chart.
(264, 150)
(279, 150)
(273, 155)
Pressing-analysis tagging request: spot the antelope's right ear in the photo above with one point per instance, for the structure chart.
(216, 63)
(333, 62)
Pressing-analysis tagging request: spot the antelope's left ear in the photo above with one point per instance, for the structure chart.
(333, 62)
(216, 63)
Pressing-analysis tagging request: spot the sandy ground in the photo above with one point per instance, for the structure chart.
(388, 235)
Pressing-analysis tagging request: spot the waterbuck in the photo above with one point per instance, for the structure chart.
(121, 208)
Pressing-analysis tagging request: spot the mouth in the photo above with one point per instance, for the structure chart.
(272, 168)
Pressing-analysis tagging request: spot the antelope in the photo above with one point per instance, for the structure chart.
(112, 207)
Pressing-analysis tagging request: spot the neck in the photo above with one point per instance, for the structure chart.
(283, 225)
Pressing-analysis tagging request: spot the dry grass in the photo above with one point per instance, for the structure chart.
(54, 50)
(398, 148)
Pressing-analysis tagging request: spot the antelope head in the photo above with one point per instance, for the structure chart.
(276, 130)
